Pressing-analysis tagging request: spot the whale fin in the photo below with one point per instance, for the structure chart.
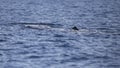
(75, 28)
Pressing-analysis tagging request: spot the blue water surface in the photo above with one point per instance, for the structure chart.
(22, 47)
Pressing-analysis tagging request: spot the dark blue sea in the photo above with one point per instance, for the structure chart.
(96, 46)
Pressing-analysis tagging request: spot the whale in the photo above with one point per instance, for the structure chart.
(48, 26)
(59, 27)
(72, 29)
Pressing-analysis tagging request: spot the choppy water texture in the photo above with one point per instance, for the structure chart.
(22, 47)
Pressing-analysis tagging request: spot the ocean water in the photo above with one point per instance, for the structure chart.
(96, 46)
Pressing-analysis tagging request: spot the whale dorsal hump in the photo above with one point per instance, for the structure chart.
(75, 28)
